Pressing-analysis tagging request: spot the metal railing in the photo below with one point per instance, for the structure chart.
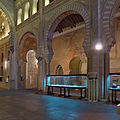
(79, 79)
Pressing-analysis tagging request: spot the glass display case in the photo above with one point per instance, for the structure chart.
(114, 80)
(73, 80)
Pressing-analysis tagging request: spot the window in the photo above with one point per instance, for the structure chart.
(47, 2)
(75, 66)
(19, 16)
(59, 70)
(27, 11)
(35, 6)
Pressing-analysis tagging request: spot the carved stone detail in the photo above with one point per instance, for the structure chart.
(92, 75)
(109, 11)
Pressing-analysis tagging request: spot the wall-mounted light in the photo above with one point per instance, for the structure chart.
(98, 46)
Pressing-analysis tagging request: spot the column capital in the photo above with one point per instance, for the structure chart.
(92, 75)
(48, 58)
(107, 48)
(39, 58)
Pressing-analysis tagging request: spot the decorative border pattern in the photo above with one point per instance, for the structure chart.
(109, 11)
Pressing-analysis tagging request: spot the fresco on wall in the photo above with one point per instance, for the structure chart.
(65, 48)
(115, 52)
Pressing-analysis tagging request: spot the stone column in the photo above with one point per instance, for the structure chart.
(95, 75)
(43, 70)
(24, 73)
(48, 58)
(92, 86)
(13, 79)
(95, 57)
(40, 50)
(41, 73)
(106, 72)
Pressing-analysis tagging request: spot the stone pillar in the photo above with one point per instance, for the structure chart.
(95, 75)
(24, 72)
(40, 50)
(95, 57)
(48, 58)
(93, 86)
(13, 79)
(41, 73)
(106, 72)
(43, 70)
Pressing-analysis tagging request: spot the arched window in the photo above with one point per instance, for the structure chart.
(59, 70)
(47, 2)
(35, 6)
(19, 16)
(27, 11)
(75, 66)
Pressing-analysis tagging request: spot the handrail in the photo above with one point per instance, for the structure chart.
(67, 75)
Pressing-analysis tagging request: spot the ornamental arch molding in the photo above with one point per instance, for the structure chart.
(10, 18)
(58, 16)
(27, 42)
(33, 31)
(8, 15)
(108, 20)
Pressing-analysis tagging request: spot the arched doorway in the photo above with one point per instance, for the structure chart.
(27, 61)
(59, 70)
(31, 69)
(75, 66)
(54, 25)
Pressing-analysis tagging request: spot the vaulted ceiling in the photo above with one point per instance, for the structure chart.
(69, 21)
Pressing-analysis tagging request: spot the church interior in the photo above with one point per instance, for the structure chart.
(61, 48)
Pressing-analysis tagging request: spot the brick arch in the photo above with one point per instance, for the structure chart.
(109, 11)
(59, 15)
(28, 30)
(27, 42)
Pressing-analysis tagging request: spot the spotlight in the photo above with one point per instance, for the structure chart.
(98, 46)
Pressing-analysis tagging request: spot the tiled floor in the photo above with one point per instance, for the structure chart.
(25, 105)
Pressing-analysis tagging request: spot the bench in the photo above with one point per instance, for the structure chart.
(114, 96)
(67, 87)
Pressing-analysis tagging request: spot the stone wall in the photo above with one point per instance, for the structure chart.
(69, 45)
(115, 53)
(65, 48)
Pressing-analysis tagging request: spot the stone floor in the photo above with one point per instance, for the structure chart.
(26, 105)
